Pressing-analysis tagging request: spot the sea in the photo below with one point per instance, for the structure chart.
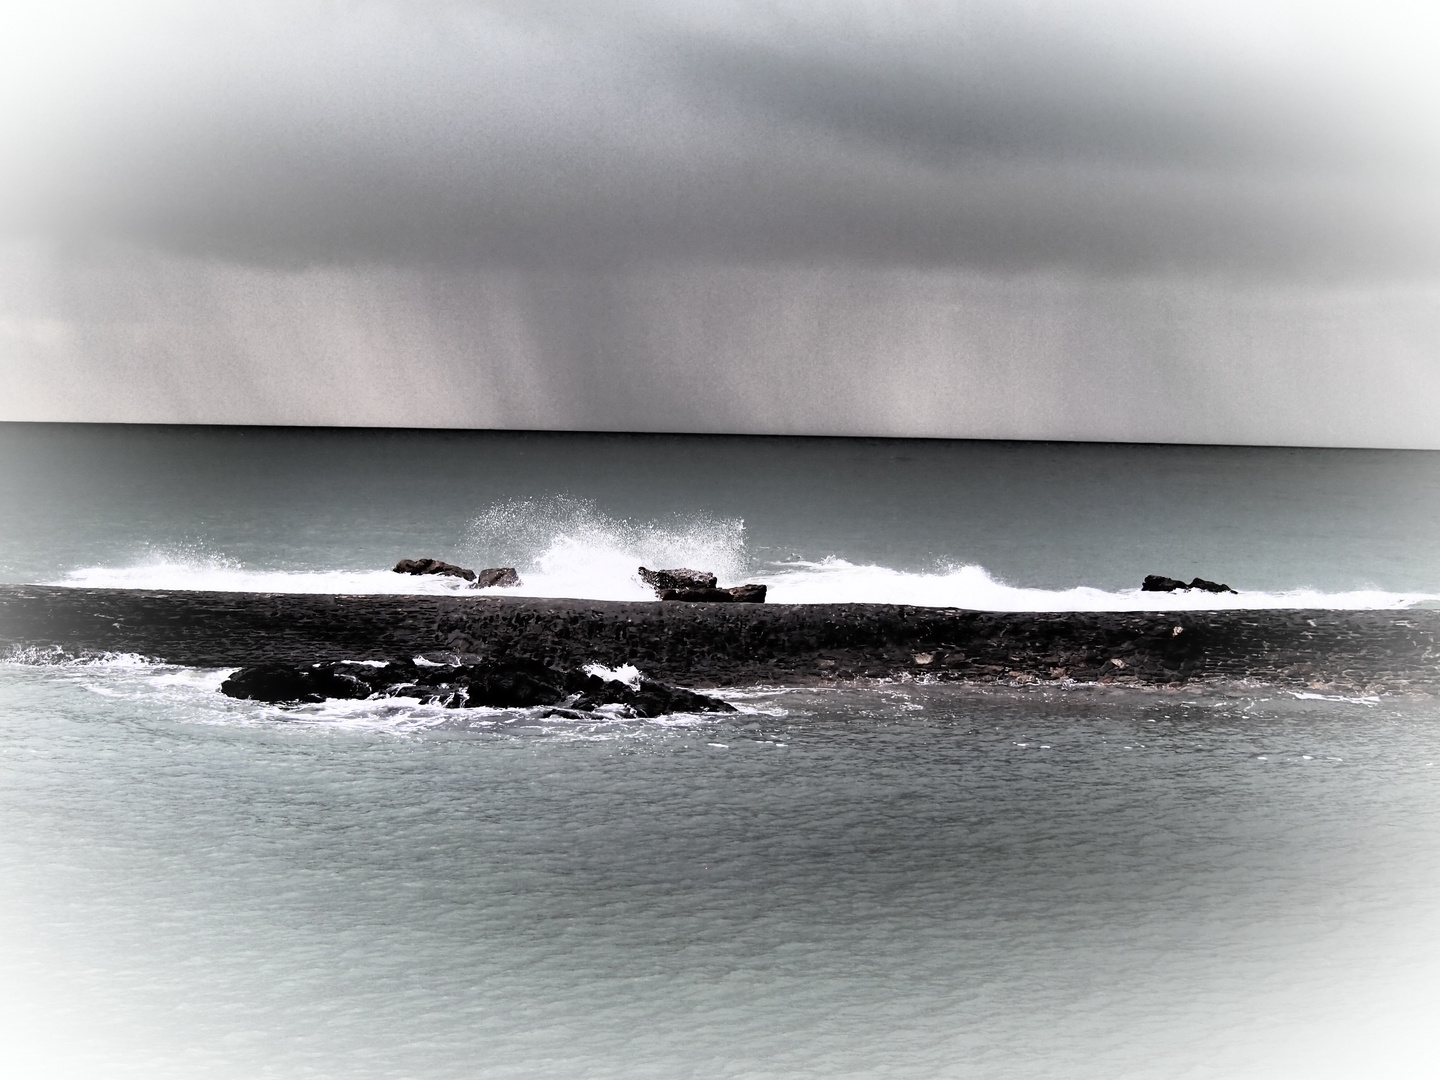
(885, 879)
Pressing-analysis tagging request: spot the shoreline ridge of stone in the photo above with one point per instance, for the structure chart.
(707, 645)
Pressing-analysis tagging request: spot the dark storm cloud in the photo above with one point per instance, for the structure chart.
(1002, 136)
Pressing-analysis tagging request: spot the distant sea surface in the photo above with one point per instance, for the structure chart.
(894, 880)
(991, 525)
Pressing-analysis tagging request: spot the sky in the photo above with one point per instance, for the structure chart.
(1128, 221)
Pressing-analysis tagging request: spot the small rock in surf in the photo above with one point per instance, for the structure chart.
(498, 577)
(433, 566)
(1157, 583)
(747, 594)
(679, 579)
(1210, 586)
(698, 586)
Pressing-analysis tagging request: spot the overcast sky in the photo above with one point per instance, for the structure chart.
(1157, 221)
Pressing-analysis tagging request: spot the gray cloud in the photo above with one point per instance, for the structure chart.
(1097, 219)
(1109, 138)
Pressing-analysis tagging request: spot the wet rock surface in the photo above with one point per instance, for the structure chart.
(515, 683)
(702, 645)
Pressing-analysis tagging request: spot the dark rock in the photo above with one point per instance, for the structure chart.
(512, 684)
(747, 594)
(433, 566)
(501, 685)
(498, 577)
(679, 579)
(712, 596)
(698, 586)
(1210, 586)
(294, 685)
(1156, 583)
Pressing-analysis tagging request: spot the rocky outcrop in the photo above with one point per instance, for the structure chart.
(433, 566)
(507, 684)
(498, 577)
(747, 594)
(1156, 583)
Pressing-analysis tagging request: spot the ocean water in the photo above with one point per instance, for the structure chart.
(895, 880)
(991, 525)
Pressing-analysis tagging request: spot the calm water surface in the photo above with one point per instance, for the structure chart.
(913, 881)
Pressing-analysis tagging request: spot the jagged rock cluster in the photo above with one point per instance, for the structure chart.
(496, 684)
(495, 577)
(1156, 583)
(698, 585)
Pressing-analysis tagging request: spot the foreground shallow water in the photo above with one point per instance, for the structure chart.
(897, 881)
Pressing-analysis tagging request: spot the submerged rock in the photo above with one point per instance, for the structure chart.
(498, 577)
(1157, 583)
(507, 684)
(433, 566)
(678, 580)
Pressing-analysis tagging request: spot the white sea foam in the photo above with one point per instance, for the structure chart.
(56, 656)
(839, 581)
(628, 674)
(566, 547)
(180, 574)
(573, 569)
